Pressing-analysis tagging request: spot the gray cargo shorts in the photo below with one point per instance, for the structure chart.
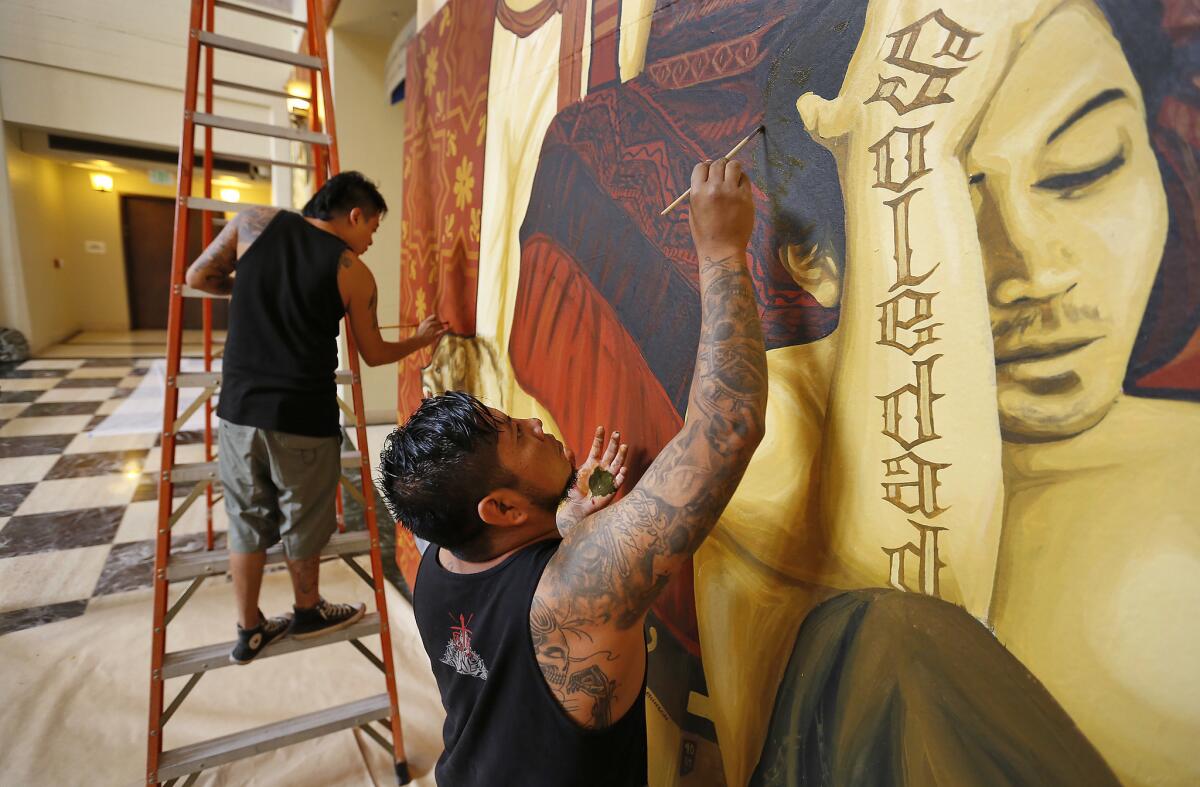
(278, 486)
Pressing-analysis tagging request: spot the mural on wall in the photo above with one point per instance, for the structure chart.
(978, 269)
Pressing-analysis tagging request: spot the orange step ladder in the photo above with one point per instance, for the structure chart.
(170, 766)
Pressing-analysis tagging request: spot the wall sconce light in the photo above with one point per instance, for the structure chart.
(298, 102)
(231, 195)
(101, 181)
(297, 106)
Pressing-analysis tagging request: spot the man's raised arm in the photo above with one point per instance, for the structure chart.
(611, 566)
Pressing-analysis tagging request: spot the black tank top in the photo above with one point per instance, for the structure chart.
(503, 726)
(281, 350)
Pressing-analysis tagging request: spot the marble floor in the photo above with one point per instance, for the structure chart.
(78, 512)
(126, 344)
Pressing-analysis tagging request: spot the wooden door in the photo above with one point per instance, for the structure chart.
(147, 227)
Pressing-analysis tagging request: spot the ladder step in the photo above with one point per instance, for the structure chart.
(220, 206)
(264, 129)
(205, 379)
(286, 20)
(240, 46)
(207, 564)
(210, 657)
(207, 471)
(192, 292)
(247, 743)
(274, 162)
(266, 91)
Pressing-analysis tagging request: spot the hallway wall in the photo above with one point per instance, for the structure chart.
(37, 205)
(371, 139)
(56, 212)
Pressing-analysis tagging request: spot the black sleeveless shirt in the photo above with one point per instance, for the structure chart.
(503, 726)
(281, 350)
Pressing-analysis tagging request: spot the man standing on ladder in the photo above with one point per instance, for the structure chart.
(279, 437)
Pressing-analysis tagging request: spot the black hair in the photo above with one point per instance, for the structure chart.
(438, 466)
(343, 193)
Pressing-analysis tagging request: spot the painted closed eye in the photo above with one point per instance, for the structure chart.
(1069, 184)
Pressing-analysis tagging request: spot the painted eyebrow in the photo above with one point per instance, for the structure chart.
(1091, 105)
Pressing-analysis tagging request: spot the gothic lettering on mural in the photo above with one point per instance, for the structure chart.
(910, 480)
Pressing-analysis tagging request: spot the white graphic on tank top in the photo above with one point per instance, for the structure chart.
(459, 653)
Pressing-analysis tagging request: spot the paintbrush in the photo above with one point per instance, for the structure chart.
(728, 155)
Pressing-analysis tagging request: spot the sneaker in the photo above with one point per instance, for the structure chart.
(251, 642)
(325, 618)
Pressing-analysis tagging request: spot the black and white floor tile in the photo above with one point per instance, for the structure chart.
(78, 514)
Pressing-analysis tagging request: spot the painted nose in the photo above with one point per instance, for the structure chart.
(1024, 263)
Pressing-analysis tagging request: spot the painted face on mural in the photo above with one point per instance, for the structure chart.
(1072, 219)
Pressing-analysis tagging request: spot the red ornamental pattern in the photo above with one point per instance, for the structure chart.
(445, 124)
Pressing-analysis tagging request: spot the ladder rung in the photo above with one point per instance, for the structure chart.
(229, 44)
(218, 751)
(184, 474)
(192, 292)
(205, 379)
(266, 91)
(200, 564)
(264, 129)
(205, 471)
(287, 20)
(274, 162)
(209, 657)
(219, 206)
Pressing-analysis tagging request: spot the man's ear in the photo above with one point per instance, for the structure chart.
(356, 217)
(815, 270)
(504, 508)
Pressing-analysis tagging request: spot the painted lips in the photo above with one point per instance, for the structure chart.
(1042, 351)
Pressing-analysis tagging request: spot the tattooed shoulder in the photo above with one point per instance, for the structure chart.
(347, 259)
(252, 221)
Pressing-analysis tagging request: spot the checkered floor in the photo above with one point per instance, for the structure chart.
(78, 513)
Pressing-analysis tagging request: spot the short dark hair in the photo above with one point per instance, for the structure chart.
(438, 466)
(343, 193)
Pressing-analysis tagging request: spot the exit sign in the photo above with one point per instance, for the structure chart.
(161, 177)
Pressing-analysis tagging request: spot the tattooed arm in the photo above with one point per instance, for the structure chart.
(212, 271)
(588, 609)
(361, 298)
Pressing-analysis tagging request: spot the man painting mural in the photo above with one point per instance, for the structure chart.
(279, 439)
(534, 624)
(1048, 213)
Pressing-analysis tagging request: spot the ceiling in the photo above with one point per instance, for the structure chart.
(376, 18)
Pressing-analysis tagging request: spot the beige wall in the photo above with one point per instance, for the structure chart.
(112, 70)
(37, 201)
(102, 301)
(13, 311)
(371, 139)
(79, 65)
(56, 212)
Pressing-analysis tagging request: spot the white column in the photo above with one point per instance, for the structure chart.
(14, 310)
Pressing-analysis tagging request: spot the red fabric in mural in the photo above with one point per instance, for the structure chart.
(600, 372)
(600, 378)
(445, 124)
